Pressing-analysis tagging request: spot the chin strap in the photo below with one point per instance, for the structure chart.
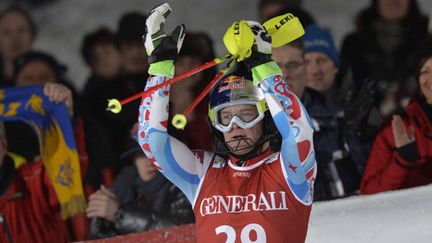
(251, 154)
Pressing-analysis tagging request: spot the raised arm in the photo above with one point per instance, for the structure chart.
(289, 115)
(394, 158)
(292, 121)
(177, 162)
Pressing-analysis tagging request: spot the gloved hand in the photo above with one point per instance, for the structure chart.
(161, 48)
(261, 50)
(260, 61)
(238, 40)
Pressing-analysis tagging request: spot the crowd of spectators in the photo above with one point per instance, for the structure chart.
(370, 104)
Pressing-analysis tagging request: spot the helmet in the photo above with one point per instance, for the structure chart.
(238, 89)
(235, 90)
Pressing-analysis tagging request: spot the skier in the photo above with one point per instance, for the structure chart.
(258, 185)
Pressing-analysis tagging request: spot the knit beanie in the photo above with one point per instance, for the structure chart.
(317, 39)
(131, 27)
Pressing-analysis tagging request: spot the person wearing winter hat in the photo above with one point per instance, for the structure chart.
(268, 8)
(337, 111)
(322, 59)
(133, 71)
(140, 199)
(129, 41)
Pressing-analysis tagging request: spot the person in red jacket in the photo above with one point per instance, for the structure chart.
(401, 155)
(29, 208)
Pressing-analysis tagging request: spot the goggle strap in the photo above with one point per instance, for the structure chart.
(212, 114)
(262, 106)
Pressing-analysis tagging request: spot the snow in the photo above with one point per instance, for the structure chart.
(63, 24)
(397, 216)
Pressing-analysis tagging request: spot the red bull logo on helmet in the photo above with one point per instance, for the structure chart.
(232, 82)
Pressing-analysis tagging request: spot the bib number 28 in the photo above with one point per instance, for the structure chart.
(245, 234)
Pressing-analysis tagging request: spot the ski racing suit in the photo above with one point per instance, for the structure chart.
(267, 200)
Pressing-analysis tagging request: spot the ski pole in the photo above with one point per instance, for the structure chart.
(115, 105)
(283, 29)
(179, 121)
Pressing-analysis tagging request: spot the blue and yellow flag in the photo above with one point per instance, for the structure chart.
(53, 126)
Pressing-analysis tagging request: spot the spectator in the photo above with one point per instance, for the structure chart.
(290, 58)
(30, 210)
(106, 133)
(401, 154)
(101, 54)
(386, 34)
(304, 16)
(269, 8)
(30, 69)
(337, 114)
(132, 51)
(38, 68)
(17, 33)
(141, 199)
(196, 50)
(133, 73)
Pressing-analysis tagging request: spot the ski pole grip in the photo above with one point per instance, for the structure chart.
(114, 106)
(179, 121)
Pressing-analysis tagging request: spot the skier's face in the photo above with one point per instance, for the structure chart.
(239, 140)
(425, 80)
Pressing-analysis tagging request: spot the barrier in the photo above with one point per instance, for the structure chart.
(178, 234)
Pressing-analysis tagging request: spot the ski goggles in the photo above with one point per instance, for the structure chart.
(223, 121)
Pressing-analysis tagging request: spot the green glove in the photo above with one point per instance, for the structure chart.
(161, 48)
